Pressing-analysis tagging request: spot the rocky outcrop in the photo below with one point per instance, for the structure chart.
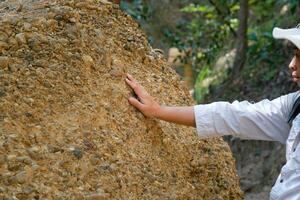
(66, 128)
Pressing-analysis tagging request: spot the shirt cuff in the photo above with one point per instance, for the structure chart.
(204, 120)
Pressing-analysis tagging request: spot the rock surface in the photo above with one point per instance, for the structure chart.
(66, 128)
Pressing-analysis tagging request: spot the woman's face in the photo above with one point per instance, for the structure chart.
(295, 66)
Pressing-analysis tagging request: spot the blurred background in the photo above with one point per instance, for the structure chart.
(224, 51)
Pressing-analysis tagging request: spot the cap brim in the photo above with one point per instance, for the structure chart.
(292, 34)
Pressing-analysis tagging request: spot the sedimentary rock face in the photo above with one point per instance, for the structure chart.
(67, 130)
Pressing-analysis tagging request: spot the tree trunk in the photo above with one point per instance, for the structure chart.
(241, 42)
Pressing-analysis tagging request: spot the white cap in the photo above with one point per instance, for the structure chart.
(292, 34)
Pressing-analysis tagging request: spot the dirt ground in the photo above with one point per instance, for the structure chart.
(66, 128)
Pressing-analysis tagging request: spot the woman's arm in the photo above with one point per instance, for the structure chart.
(150, 108)
(264, 120)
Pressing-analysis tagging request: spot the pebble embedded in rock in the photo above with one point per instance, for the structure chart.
(99, 195)
(27, 26)
(35, 153)
(77, 153)
(3, 46)
(88, 61)
(19, 178)
(2, 93)
(24, 159)
(28, 189)
(20, 37)
(3, 36)
(2, 159)
(4, 62)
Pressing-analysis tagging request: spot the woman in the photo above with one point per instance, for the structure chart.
(275, 120)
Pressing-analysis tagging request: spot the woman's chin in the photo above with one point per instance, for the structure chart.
(297, 80)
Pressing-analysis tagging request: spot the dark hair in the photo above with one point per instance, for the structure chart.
(295, 110)
(291, 45)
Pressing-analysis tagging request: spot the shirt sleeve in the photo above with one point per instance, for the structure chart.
(265, 120)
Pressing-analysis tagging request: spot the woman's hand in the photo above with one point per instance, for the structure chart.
(145, 103)
(150, 108)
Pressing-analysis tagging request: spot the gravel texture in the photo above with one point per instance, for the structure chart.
(66, 128)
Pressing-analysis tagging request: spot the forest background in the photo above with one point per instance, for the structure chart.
(224, 51)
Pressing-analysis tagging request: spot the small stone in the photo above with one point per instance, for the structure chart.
(4, 62)
(58, 17)
(88, 61)
(105, 1)
(20, 37)
(54, 149)
(29, 101)
(35, 166)
(106, 167)
(28, 114)
(28, 189)
(52, 24)
(20, 177)
(89, 145)
(3, 45)
(3, 36)
(27, 26)
(2, 190)
(34, 43)
(128, 47)
(2, 93)
(12, 41)
(24, 159)
(79, 196)
(34, 153)
(130, 39)
(12, 163)
(97, 196)
(63, 41)
(6, 176)
(151, 58)
(8, 30)
(72, 20)
(13, 67)
(98, 32)
(116, 73)
(2, 159)
(82, 5)
(95, 161)
(77, 153)
(41, 63)
(19, 7)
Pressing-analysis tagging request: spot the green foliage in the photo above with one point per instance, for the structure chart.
(204, 37)
(201, 91)
(192, 8)
(138, 9)
(209, 32)
(293, 4)
(265, 54)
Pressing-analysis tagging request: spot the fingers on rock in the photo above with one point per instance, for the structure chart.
(135, 103)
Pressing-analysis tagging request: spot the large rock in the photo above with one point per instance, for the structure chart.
(66, 128)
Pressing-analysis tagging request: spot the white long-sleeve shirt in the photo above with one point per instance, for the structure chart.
(265, 120)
